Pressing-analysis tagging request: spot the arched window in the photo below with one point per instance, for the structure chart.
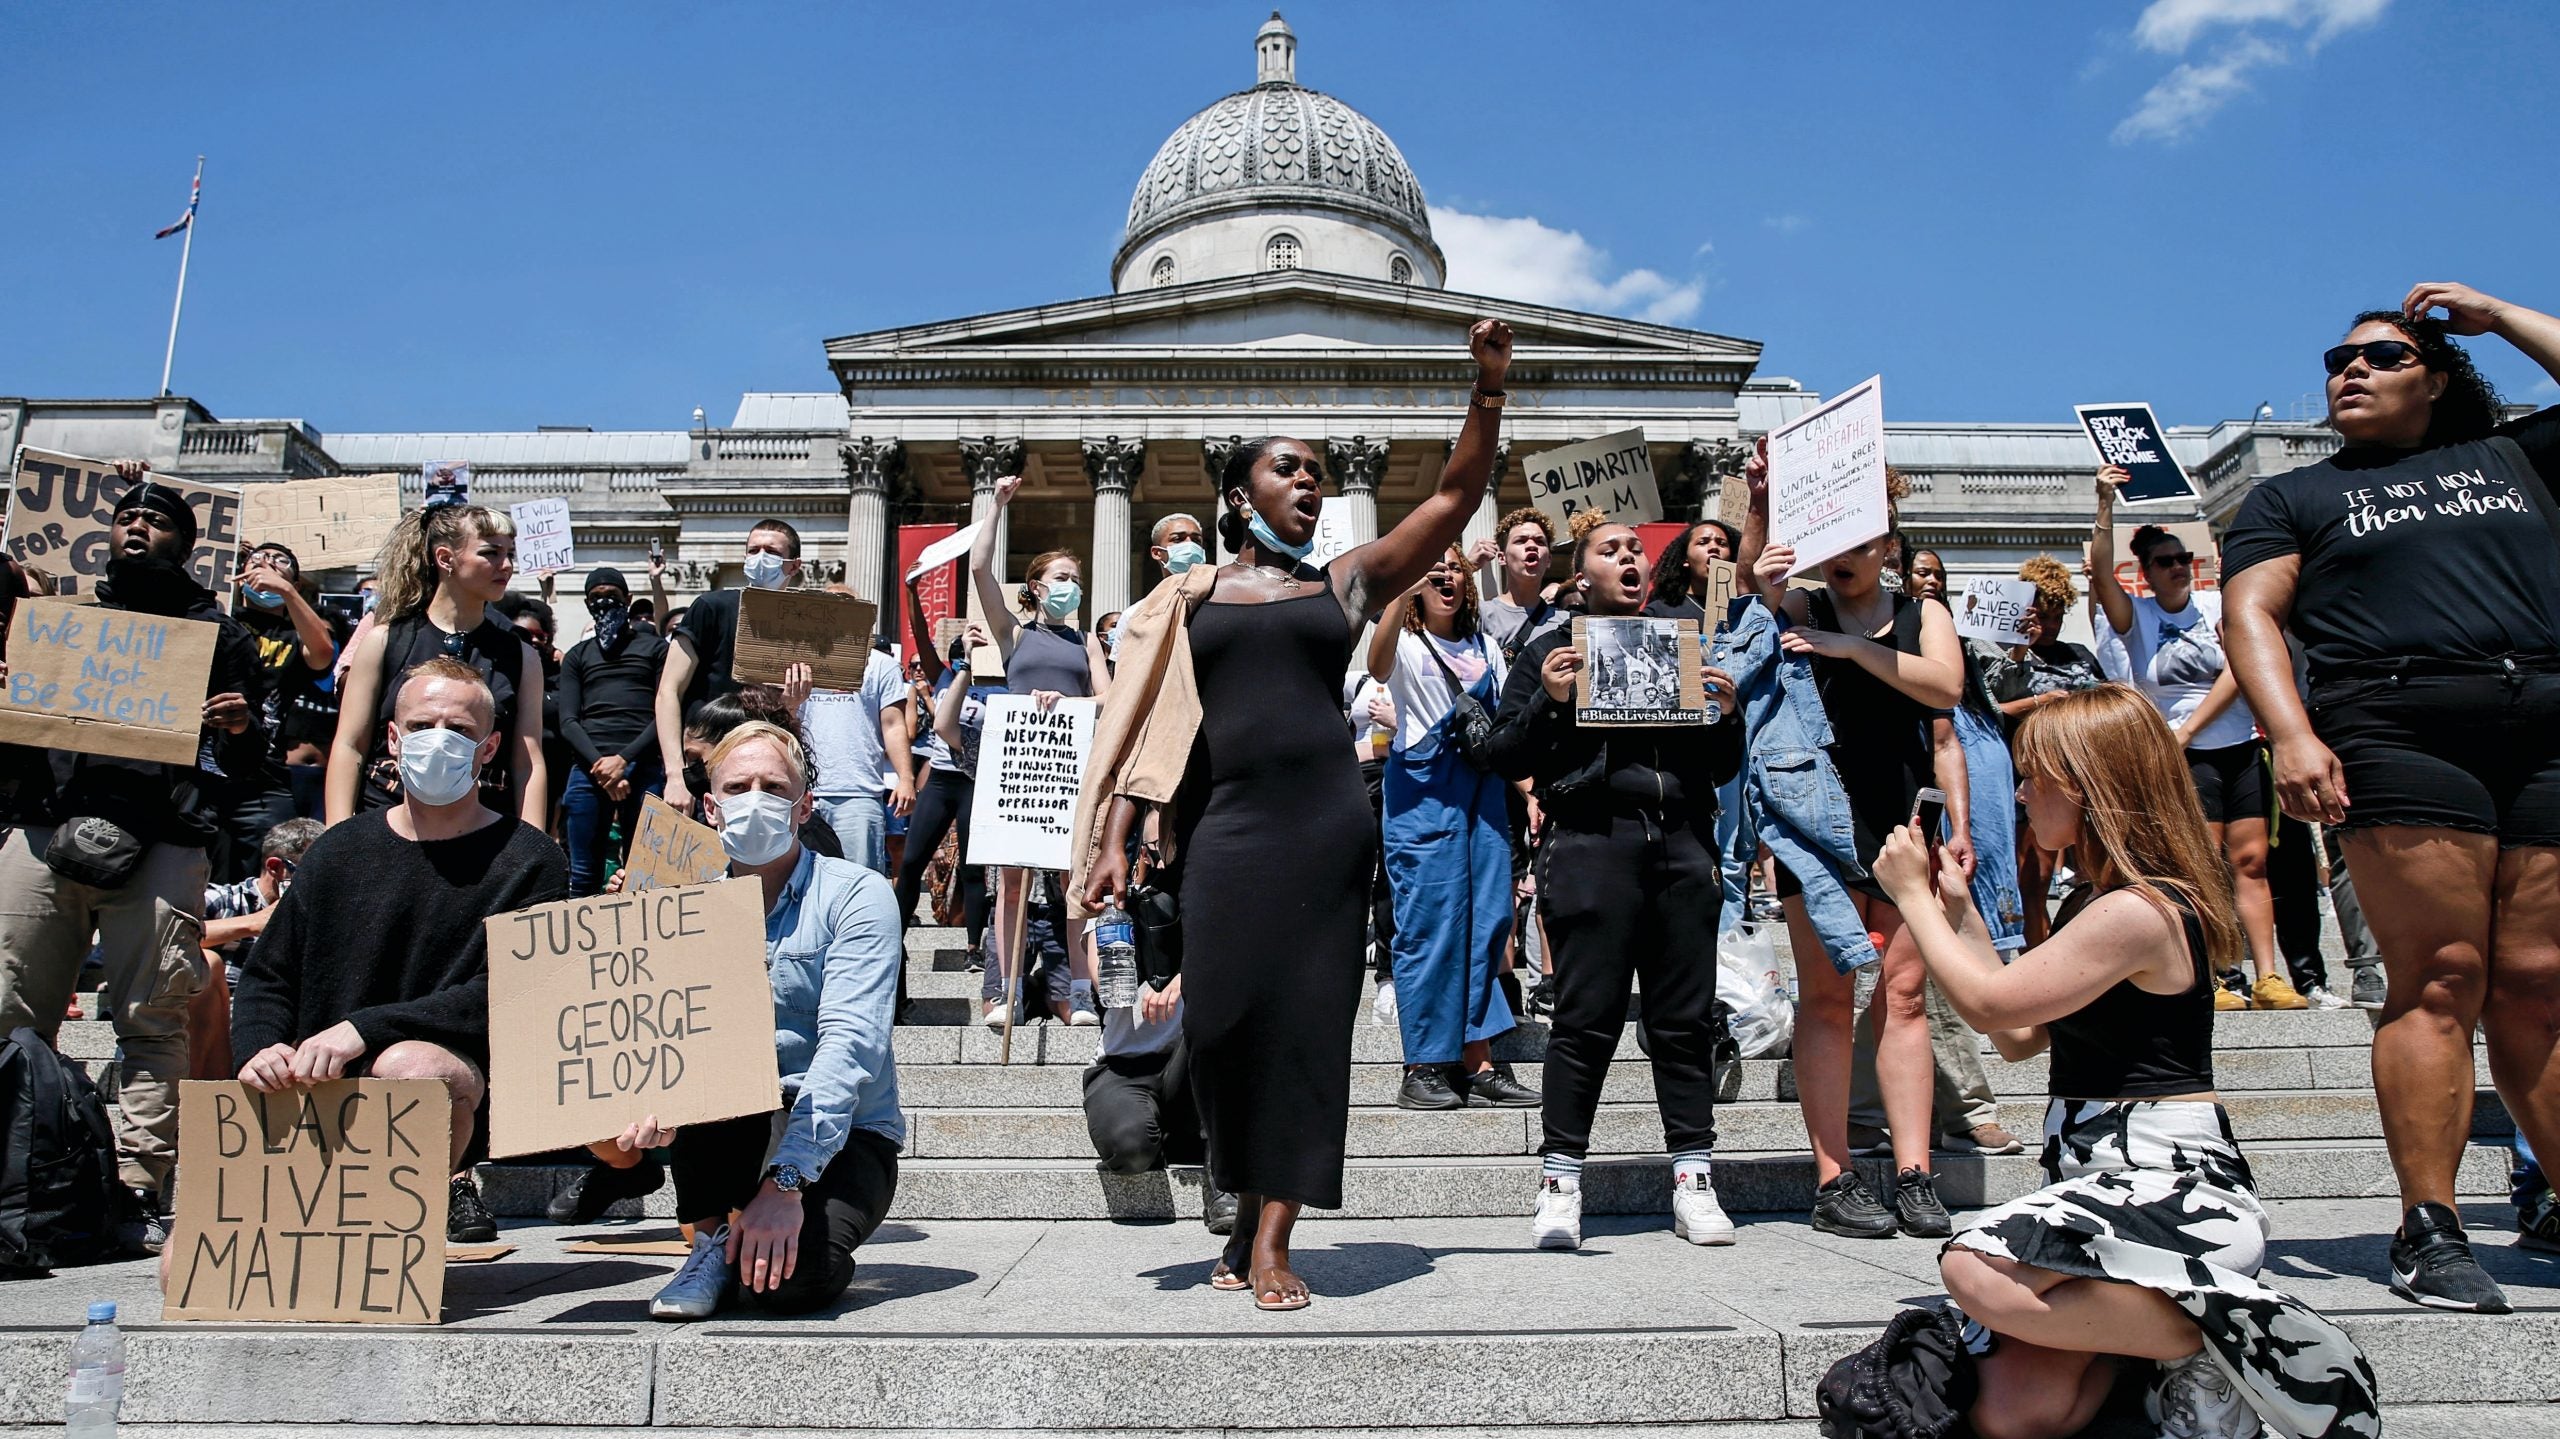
(1400, 271)
(1281, 253)
(1163, 273)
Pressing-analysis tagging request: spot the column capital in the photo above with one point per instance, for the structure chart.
(1357, 463)
(1112, 463)
(871, 464)
(988, 460)
(1705, 467)
(1215, 451)
(1501, 463)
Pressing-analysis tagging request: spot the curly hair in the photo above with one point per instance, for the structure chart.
(2054, 589)
(405, 574)
(1671, 577)
(1462, 625)
(1525, 515)
(2468, 408)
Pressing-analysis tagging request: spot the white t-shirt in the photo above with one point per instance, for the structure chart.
(1125, 1036)
(2175, 659)
(843, 729)
(1421, 691)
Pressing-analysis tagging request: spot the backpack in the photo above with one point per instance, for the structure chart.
(1917, 1382)
(61, 1198)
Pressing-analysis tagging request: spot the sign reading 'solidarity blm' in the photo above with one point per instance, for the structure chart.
(95, 680)
(1612, 474)
(2129, 435)
(605, 1011)
(1826, 476)
(321, 1204)
(62, 507)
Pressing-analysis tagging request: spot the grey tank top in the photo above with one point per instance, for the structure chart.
(1049, 657)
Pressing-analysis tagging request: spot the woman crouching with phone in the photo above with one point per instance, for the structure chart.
(2146, 1240)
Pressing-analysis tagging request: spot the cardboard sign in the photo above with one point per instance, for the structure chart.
(448, 482)
(1030, 768)
(61, 508)
(1638, 671)
(1995, 610)
(2129, 435)
(829, 633)
(1724, 581)
(543, 541)
(605, 1011)
(1612, 474)
(101, 681)
(2196, 535)
(324, 1204)
(669, 851)
(1826, 477)
(330, 524)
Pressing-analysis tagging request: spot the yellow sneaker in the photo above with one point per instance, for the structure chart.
(2274, 991)
(2226, 999)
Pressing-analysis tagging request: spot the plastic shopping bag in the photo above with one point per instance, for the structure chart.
(1748, 981)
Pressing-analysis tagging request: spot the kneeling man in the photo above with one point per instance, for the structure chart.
(375, 962)
(808, 1183)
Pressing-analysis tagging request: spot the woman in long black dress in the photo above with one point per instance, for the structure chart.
(1271, 823)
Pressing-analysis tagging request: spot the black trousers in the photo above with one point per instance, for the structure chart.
(1140, 1112)
(2293, 882)
(719, 1166)
(1382, 899)
(941, 803)
(1627, 897)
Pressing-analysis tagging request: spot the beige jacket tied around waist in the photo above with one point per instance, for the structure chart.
(1142, 743)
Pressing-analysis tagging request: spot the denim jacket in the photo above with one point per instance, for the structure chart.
(832, 949)
(1792, 793)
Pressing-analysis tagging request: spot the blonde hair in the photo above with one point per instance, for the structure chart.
(760, 732)
(405, 575)
(446, 667)
(2141, 823)
(2054, 589)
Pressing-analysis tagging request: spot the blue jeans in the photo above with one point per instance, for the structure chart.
(861, 823)
(1448, 848)
(1992, 783)
(587, 817)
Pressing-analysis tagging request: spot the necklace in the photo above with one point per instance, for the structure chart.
(1288, 579)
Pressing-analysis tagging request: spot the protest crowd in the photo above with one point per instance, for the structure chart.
(1404, 762)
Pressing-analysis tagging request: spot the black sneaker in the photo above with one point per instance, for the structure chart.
(1427, 1087)
(977, 959)
(1217, 1209)
(1495, 1088)
(466, 1219)
(1542, 996)
(2431, 1264)
(1848, 1208)
(599, 1187)
(144, 1229)
(2538, 1223)
(1916, 1207)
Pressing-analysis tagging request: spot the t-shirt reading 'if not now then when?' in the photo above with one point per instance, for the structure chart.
(2442, 552)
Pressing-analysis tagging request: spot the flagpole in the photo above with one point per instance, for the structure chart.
(186, 248)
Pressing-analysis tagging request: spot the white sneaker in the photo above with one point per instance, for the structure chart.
(1558, 1222)
(991, 1014)
(1695, 1215)
(2195, 1399)
(2321, 998)
(1382, 1010)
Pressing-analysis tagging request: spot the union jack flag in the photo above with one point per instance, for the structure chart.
(187, 220)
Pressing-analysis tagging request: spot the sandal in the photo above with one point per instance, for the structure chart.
(1227, 1281)
(1279, 1301)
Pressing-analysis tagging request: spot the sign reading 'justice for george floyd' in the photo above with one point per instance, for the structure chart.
(61, 508)
(605, 1011)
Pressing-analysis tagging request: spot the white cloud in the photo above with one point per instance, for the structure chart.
(1786, 224)
(1518, 258)
(2184, 99)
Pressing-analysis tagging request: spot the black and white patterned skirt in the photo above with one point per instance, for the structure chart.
(2155, 1193)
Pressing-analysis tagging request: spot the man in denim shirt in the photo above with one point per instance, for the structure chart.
(810, 1182)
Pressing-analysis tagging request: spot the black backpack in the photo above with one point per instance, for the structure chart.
(61, 1198)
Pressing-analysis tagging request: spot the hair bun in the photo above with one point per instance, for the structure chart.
(1583, 524)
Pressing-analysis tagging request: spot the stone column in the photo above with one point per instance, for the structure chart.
(1357, 463)
(1480, 525)
(1112, 464)
(1705, 467)
(1214, 451)
(987, 461)
(869, 465)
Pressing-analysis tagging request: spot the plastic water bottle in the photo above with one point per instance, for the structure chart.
(1719, 650)
(97, 1375)
(1115, 943)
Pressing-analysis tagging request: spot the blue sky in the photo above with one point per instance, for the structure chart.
(475, 216)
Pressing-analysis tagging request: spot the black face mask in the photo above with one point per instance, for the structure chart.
(613, 622)
(697, 780)
(150, 584)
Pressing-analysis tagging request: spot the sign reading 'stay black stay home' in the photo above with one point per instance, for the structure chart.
(2129, 435)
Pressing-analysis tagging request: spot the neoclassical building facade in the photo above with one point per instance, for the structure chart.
(1277, 274)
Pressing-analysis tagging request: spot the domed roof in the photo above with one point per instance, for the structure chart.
(1278, 141)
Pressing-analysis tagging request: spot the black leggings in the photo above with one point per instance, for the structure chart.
(2293, 881)
(719, 1166)
(940, 804)
(1634, 899)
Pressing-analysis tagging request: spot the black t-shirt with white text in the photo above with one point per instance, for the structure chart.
(2443, 553)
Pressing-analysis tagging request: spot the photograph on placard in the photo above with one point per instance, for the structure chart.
(1638, 670)
(447, 482)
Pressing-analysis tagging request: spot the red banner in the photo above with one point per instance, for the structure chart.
(939, 591)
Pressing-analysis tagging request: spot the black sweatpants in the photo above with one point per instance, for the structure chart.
(719, 1166)
(941, 803)
(1635, 898)
(2293, 882)
(1140, 1112)
(1382, 899)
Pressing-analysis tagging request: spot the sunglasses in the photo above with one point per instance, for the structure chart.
(2377, 354)
(456, 646)
(2183, 557)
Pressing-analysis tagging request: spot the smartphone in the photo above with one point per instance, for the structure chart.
(1930, 813)
(657, 548)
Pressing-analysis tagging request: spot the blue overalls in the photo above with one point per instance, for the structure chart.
(1448, 845)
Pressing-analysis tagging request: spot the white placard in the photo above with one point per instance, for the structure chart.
(952, 546)
(1030, 769)
(542, 536)
(1612, 474)
(1994, 610)
(1826, 476)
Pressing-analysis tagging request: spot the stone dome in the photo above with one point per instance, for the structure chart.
(1281, 148)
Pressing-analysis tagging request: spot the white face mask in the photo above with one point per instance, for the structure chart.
(438, 766)
(764, 570)
(756, 828)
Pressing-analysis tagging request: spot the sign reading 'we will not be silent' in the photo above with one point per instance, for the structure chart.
(110, 682)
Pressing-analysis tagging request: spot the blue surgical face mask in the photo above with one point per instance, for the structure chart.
(755, 827)
(438, 766)
(1183, 556)
(371, 598)
(1060, 599)
(764, 570)
(264, 599)
(1262, 536)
